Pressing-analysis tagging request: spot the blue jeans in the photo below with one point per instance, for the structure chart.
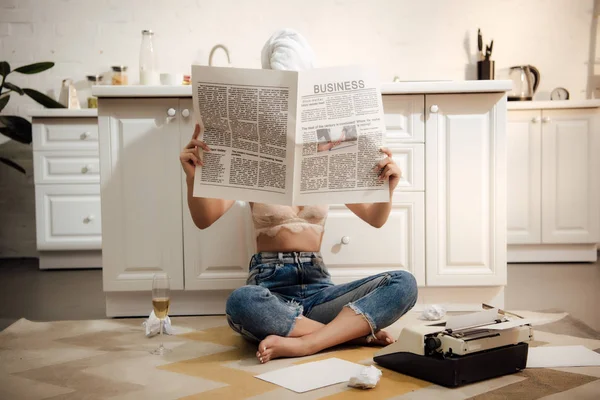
(282, 287)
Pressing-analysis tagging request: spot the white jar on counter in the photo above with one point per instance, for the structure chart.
(149, 73)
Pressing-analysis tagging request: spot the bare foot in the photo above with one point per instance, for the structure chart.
(274, 346)
(382, 338)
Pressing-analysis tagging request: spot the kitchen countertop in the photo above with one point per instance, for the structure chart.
(536, 105)
(445, 87)
(62, 112)
(386, 88)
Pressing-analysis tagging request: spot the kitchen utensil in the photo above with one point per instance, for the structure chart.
(68, 95)
(526, 79)
(488, 50)
(486, 69)
(480, 44)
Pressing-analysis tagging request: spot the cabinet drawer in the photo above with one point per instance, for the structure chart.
(68, 217)
(411, 160)
(404, 117)
(352, 249)
(65, 134)
(66, 167)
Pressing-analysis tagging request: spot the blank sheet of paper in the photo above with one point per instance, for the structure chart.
(561, 356)
(313, 375)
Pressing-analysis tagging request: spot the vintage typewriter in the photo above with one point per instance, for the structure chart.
(461, 350)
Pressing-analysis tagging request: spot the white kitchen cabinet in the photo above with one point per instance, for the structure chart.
(141, 192)
(554, 204)
(411, 160)
(68, 217)
(446, 226)
(465, 190)
(215, 258)
(66, 134)
(66, 167)
(524, 176)
(354, 250)
(570, 168)
(67, 190)
(404, 118)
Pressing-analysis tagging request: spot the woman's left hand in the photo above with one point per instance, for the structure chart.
(388, 169)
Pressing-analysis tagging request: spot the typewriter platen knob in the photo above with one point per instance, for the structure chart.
(432, 344)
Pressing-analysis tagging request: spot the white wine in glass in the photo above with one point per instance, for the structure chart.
(161, 298)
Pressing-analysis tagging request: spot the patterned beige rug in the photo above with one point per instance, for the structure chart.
(109, 359)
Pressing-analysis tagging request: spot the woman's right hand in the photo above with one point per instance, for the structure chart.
(190, 156)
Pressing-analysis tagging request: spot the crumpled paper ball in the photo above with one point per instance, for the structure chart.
(367, 378)
(433, 312)
(152, 325)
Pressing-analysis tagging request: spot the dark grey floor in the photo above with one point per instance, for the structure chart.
(27, 292)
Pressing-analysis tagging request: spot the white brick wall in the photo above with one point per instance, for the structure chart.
(416, 40)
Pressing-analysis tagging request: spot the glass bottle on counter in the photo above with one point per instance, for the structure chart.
(92, 101)
(119, 76)
(149, 74)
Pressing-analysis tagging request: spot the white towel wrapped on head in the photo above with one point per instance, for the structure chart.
(287, 50)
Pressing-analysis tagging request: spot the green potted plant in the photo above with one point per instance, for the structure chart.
(12, 126)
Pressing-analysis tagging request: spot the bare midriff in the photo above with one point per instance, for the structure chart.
(287, 241)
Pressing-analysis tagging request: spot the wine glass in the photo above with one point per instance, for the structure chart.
(160, 301)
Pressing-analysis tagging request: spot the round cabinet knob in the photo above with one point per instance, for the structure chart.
(345, 239)
(535, 120)
(171, 112)
(185, 113)
(88, 219)
(434, 108)
(546, 119)
(86, 169)
(85, 135)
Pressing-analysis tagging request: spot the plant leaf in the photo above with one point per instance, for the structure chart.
(16, 128)
(34, 68)
(17, 89)
(42, 99)
(4, 68)
(4, 101)
(12, 164)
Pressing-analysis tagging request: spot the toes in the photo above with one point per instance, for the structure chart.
(266, 357)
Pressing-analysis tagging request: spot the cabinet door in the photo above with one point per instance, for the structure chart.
(68, 217)
(352, 249)
(465, 202)
(403, 116)
(410, 157)
(141, 193)
(215, 258)
(570, 192)
(524, 177)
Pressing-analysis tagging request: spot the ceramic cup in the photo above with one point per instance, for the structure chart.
(171, 79)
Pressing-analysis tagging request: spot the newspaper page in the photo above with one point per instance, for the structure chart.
(340, 129)
(286, 137)
(248, 119)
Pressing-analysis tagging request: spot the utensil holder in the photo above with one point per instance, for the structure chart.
(485, 70)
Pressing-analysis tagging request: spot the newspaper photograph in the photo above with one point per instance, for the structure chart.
(287, 137)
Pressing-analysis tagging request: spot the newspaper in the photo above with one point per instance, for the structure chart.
(290, 138)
